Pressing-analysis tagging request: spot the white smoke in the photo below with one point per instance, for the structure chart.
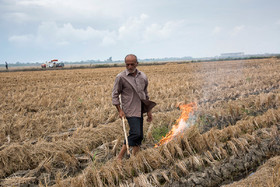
(183, 125)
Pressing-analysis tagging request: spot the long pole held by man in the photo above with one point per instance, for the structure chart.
(132, 85)
(124, 130)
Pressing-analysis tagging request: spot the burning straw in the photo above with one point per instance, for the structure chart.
(186, 119)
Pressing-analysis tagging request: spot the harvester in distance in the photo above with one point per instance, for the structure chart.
(52, 64)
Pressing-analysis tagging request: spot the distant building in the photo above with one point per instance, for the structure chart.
(232, 55)
(109, 59)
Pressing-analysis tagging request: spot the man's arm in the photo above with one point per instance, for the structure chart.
(116, 92)
(115, 96)
(149, 113)
(146, 89)
(150, 116)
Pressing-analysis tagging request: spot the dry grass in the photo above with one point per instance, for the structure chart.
(63, 122)
(151, 160)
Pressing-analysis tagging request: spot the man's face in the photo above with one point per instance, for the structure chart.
(131, 64)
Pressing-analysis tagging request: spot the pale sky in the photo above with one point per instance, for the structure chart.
(75, 30)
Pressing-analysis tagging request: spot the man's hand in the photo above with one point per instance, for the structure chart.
(150, 116)
(121, 114)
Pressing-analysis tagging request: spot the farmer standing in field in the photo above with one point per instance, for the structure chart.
(132, 85)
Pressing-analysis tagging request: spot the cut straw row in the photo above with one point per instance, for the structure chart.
(194, 144)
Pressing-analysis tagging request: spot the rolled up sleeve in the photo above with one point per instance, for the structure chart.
(146, 89)
(116, 91)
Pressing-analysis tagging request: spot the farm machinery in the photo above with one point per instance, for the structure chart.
(52, 64)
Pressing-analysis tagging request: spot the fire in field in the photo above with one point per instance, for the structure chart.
(181, 123)
(215, 124)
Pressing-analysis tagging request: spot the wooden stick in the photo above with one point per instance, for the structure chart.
(125, 135)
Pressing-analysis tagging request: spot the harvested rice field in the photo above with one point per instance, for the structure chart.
(59, 128)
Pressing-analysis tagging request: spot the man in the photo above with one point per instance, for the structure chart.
(6, 65)
(132, 85)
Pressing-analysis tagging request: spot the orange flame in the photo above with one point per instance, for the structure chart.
(180, 124)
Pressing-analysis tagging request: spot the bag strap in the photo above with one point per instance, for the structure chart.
(148, 104)
(123, 78)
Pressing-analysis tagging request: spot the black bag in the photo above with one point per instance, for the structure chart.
(147, 105)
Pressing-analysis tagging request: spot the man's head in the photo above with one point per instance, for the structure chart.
(131, 63)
